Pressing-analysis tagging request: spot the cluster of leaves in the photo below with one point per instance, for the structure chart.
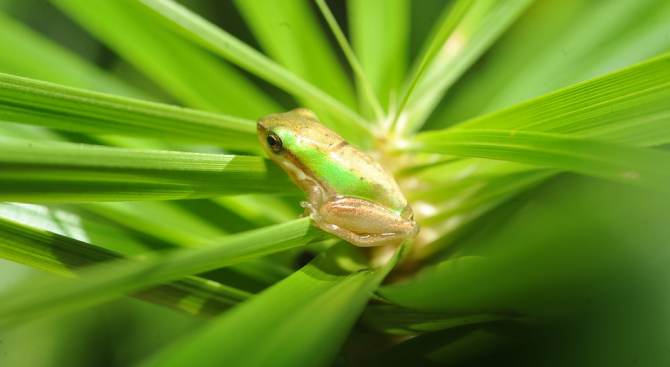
(529, 136)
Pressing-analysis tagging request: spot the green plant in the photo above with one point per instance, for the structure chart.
(529, 136)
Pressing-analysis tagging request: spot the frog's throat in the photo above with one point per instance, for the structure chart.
(295, 171)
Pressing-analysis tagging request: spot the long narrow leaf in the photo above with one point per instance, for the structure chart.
(66, 256)
(479, 29)
(110, 280)
(368, 95)
(383, 59)
(303, 320)
(404, 321)
(555, 45)
(23, 53)
(585, 38)
(453, 18)
(631, 105)
(290, 33)
(615, 162)
(79, 173)
(218, 41)
(55, 106)
(192, 75)
(162, 219)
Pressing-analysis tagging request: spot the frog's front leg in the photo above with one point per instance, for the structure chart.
(363, 222)
(315, 198)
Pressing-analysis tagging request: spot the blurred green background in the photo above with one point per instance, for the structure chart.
(574, 268)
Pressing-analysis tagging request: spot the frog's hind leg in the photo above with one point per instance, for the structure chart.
(367, 240)
(363, 222)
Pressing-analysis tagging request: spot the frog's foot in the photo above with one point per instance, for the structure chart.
(310, 211)
(364, 240)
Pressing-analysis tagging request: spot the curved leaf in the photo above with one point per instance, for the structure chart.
(481, 26)
(302, 320)
(631, 106)
(69, 257)
(615, 162)
(111, 279)
(289, 31)
(55, 106)
(192, 75)
(348, 123)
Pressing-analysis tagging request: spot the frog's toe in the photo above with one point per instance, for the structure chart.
(310, 211)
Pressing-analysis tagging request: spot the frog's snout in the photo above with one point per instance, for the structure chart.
(261, 127)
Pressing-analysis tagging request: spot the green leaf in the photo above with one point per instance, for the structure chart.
(481, 26)
(68, 257)
(552, 255)
(23, 54)
(368, 97)
(79, 173)
(404, 321)
(67, 221)
(451, 18)
(162, 219)
(316, 307)
(473, 196)
(60, 107)
(109, 280)
(580, 256)
(610, 161)
(480, 344)
(451, 212)
(255, 209)
(557, 44)
(195, 28)
(290, 33)
(629, 106)
(380, 32)
(189, 73)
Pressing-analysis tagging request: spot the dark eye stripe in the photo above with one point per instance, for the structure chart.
(339, 146)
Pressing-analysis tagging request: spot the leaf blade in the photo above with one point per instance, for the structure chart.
(590, 157)
(612, 107)
(68, 172)
(290, 33)
(110, 279)
(347, 122)
(192, 75)
(68, 257)
(56, 106)
(317, 306)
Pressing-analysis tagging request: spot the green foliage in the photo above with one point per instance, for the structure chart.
(530, 138)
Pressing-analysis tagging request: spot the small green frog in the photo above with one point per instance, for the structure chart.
(349, 194)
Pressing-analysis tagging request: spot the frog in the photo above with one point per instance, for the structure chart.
(348, 193)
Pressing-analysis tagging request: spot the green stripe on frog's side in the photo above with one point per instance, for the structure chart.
(345, 176)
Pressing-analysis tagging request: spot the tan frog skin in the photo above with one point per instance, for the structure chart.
(349, 194)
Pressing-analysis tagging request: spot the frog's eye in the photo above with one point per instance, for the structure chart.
(275, 143)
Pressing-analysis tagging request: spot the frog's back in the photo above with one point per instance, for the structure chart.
(351, 172)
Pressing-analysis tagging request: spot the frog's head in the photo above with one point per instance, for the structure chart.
(284, 134)
(294, 139)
